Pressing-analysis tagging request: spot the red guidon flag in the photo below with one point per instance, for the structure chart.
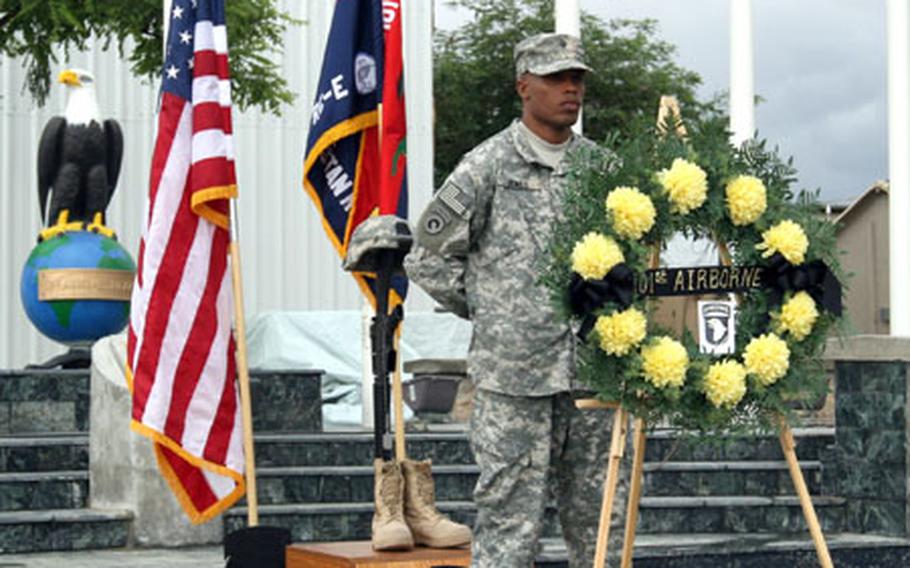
(393, 189)
(180, 349)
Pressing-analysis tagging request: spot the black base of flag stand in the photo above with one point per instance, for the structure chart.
(256, 547)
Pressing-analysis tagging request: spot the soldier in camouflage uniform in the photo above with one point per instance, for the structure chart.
(479, 246)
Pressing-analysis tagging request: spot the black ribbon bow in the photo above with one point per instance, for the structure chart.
(588, 296)
(814, 277)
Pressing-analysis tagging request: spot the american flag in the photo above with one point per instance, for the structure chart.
(180, 349)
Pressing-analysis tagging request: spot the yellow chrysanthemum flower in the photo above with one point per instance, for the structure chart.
(746, 199)
(686, 184)
(798, 316)
(787, 238)
(595, 255)
(621, 331)
(725, 383)
(633, 212)
(767, 357)
(664, 362)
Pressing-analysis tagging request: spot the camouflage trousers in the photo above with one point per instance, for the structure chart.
(533, 451)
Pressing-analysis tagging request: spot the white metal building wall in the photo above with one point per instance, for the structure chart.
(288, 263)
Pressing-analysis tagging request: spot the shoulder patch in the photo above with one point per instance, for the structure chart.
(455, 199)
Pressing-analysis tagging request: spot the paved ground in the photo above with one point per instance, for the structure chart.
(646, 546)
(207, 557)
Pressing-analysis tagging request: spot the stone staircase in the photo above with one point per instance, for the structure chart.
(732, 486)
(721, 504)
(318, 482)
(44, 481)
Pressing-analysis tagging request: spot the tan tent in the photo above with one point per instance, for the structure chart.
(862, 232)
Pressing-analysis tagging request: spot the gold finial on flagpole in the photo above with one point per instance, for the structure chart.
(668, 114)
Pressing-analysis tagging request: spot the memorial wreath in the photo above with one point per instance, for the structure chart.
(779, 259)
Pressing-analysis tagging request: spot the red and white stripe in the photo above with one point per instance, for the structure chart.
(180, 348)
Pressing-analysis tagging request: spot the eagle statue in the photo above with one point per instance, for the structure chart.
(78, 162)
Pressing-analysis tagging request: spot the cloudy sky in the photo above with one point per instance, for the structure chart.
(820, 68)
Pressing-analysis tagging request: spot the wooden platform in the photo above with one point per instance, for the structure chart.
(360, 553)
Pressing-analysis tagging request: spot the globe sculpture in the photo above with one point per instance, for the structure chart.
(75, 287)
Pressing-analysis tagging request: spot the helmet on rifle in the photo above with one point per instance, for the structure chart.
(376, 236)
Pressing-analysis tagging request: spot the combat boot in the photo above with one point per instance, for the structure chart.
(389, 529)
(429, 526)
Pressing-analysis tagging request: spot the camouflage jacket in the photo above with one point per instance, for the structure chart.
(478, 250)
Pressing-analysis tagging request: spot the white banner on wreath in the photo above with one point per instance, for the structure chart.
(717, 327)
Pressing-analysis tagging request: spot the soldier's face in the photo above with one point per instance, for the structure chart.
(553, 100)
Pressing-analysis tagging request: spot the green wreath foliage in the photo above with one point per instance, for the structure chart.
(636, 160)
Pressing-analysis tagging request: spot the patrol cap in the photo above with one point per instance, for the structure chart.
(374, 236)
(543, 54)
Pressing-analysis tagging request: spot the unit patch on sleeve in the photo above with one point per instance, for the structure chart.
(434, 222)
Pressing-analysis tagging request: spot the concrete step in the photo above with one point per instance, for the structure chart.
(848, 550)
(342, 484)
(39, 401)
(44, 452)
(355, 448)
(736, 514)
(452, 447)
(727, 478)
(332, 521)
(68, 529)
(347, 483)
(674, 445)
(31, 491)
(43, 401)
(658, 515)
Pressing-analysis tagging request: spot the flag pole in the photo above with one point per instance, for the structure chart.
(243, 374)
(400, 449)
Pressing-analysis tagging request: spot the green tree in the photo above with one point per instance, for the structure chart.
(39, 30)
(474, 76)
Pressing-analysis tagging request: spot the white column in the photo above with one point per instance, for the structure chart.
(419, 22)
(568, 17)
(568, 21)
(166, 12)
(742, 90)
(418, 84)
(898, 17)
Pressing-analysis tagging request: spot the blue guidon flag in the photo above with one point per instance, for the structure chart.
(352, 169)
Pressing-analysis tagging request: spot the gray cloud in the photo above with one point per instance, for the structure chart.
(819, 68)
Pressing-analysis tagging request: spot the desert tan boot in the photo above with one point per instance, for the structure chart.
(429, 526)
(389, 529)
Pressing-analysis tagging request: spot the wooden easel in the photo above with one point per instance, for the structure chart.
(669, 108)
(617, 449)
